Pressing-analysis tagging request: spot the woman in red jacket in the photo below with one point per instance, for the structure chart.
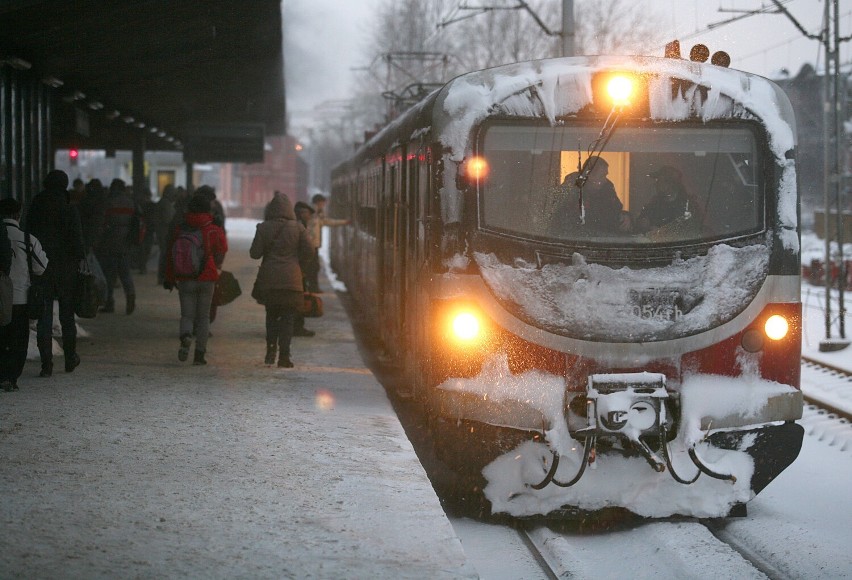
(195, 288)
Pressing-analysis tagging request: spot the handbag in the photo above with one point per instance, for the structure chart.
(227, 289)
(86, 295)
(36, 290)
(311, 306)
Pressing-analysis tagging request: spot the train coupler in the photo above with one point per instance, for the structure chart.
(629, 406)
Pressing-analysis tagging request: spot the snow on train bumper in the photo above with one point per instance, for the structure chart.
(534, 400)
(737, 431)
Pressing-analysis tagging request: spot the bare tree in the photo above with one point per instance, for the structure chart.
(617, 27)
(418, 44)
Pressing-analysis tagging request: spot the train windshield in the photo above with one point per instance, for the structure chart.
(650, 185)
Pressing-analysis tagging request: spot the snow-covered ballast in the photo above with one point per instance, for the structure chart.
(628, 361)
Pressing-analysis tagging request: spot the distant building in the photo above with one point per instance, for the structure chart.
(282, 170)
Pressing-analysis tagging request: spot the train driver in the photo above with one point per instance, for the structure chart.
(670, 203)
(604, 213)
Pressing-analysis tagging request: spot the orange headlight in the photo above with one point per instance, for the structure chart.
(776, 327)
(620, 88)
(466, 326)
(476, 168)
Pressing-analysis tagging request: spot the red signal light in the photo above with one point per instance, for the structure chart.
(73, 155)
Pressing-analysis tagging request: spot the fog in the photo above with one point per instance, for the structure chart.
(324, 40)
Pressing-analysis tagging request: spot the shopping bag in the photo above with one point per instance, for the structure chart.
(227, 289)
(87, 298)
(100, 279)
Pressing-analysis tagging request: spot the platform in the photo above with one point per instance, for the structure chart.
(139, 466)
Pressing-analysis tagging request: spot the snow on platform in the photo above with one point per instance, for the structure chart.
(138, 465)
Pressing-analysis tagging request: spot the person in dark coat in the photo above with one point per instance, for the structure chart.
(671, 202)
(196, 293)
(56, 224)
(113, 249)
(603, 210)
(164, 216)
(91, 209)
(281, 243)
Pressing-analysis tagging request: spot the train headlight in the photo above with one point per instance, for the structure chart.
(776, 327)
(476, 168)
(466, 326)
(620, 88)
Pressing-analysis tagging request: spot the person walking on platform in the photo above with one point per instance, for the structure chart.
(310, 271)
(15, 336)
(164, 216)
(194, 258)
(217, 210)
(113, 249)
(281, 243)
(56, 224)
(317, 222)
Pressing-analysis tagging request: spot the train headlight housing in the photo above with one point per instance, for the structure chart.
(776, 327)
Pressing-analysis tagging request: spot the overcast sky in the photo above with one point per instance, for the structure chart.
(326, 39)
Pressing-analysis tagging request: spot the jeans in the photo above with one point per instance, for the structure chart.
(195, 300)
(117, 265)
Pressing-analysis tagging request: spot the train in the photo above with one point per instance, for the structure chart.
(567, 366)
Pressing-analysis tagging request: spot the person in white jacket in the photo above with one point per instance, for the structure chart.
(317, 221)
(15, 336)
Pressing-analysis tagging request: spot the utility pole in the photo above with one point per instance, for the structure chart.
(567, 28)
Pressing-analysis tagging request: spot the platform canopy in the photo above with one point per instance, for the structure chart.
(163, 68)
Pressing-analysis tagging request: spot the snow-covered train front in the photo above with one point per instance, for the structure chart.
(596, 292)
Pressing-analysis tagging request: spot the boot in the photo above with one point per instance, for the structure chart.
(183, 352)
(69, 347)
(199, 358)
(271, 351)
(131, 303)
(72, 361)
(285, 362)
(45, 350)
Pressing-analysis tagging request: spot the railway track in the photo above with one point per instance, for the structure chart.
(673, 548)
(827, 387)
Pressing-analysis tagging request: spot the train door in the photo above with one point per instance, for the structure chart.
(392, 273)
(399, 274)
